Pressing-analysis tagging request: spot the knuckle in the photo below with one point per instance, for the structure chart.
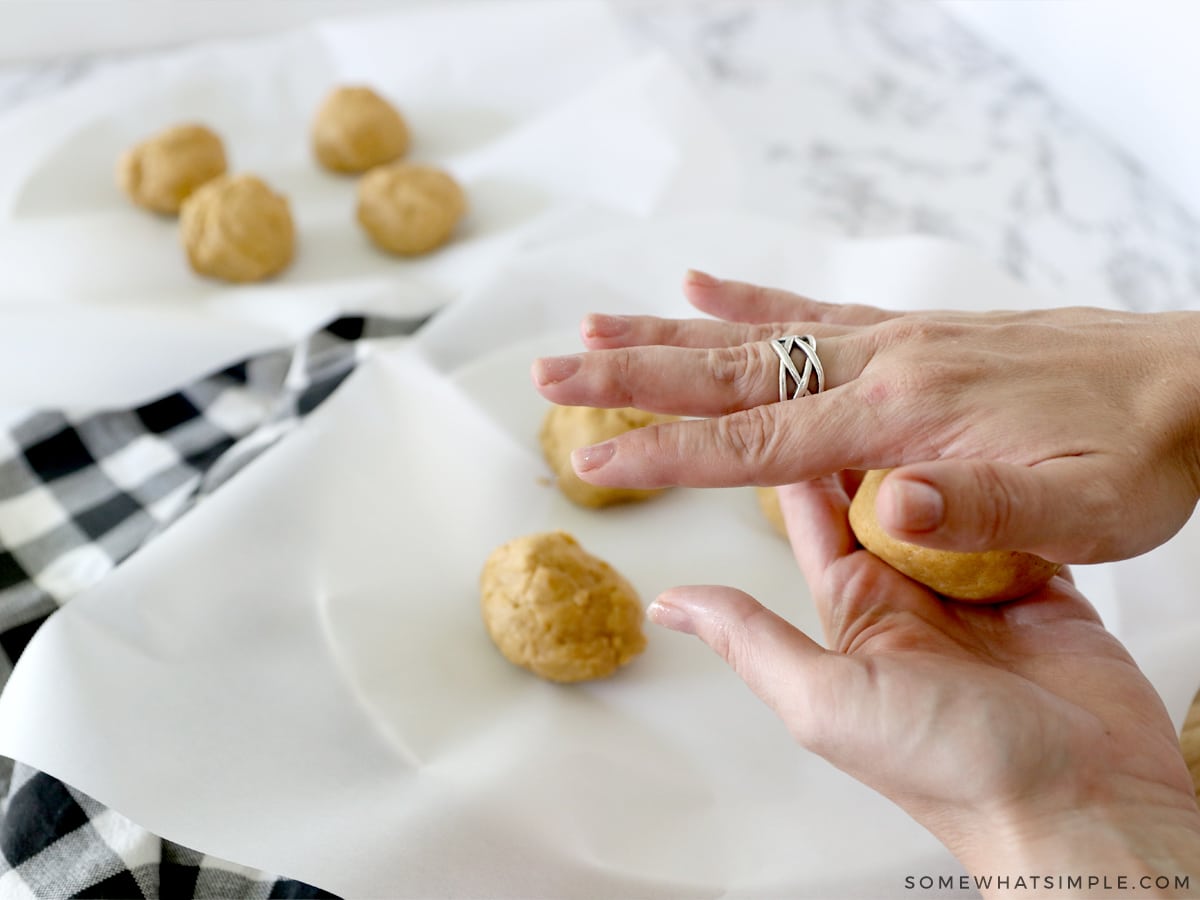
(734, 641)
(738, 371)
(915, 329)
(750, 434)
(765, 332)
(895, 386)
(725, 364)
(998, 510)
(1101, 505)
(622, 377)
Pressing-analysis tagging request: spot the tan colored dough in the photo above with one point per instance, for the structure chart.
(355, 130)
(768, 502)
(567, 428)
(556, 610)
(237, 229)
(409, 209)
(990, 576)
(162, 171)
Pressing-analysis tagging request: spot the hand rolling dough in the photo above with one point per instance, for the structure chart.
(988, 577)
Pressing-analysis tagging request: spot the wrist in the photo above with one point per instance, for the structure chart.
(1114, 850)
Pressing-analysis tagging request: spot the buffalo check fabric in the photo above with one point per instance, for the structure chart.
(78, 494)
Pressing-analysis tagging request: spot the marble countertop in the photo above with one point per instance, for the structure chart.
(870, 117)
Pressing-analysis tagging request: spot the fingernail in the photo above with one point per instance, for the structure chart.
(695, 276)
(553, 369)
(598, 325)
(668, 615)
(585, 459)
(919, 506)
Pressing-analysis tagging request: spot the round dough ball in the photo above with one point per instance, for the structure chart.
(163, 171)
(355, 130)
(556, 610)
(409, 209)
(568, 428)
(237, 229)
(990, 576)
(768, 502)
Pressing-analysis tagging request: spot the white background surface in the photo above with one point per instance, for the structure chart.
(1125, 65)
(607, 132)
(857, 118)
(308, 645)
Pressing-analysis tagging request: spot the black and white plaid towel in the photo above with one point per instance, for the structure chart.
(80, 493)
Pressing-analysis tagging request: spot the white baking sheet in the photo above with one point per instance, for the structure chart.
(538, 108)
(295, 675)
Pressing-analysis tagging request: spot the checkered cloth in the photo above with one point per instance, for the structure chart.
(80, 493)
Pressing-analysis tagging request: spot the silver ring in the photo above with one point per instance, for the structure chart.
(806, 344)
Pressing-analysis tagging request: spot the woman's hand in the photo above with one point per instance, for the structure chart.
(1022, 735)
(1070, 433)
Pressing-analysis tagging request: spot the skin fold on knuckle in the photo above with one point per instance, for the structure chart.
(992, 515)
(619, 377)
(730, 633)
(673, 454)
(738, 372)
(751, 437)
(1109, 530)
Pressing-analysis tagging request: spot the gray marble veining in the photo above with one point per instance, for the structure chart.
(876, 117)
(869, 117)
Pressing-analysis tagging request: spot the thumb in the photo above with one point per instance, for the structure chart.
(1061, 509)
(786, 669)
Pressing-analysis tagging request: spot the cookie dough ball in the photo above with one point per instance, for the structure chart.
(163, 171)
(355, 130)
(408, 209)
(991, 576)
(556, 610)
(568, 428)
(237, 229)
(768, 502)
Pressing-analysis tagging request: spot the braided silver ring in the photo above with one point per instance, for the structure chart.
(801, 378)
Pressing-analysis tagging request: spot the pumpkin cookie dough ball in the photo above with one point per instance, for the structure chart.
(237, 229)
(163, 171)
(409, 209)
(568, 428)
(355, 130)
(991, 576)
(556, 610)
(768, 502)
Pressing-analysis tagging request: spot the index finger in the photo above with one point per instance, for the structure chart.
(776, 443)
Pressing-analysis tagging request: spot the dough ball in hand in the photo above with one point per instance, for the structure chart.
(409, 209)
(556, 610)
(567, 428)
(355, 130)
(164, 170)
(990, 576)
(237, 229)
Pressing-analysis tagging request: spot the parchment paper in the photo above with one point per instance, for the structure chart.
(539, 109)
(295, 676)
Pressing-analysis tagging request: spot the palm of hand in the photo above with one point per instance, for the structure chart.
(1030, 704)
(1022, 711)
